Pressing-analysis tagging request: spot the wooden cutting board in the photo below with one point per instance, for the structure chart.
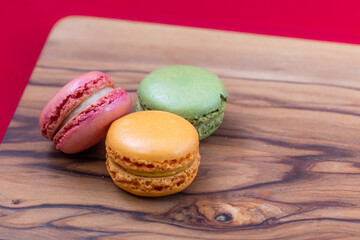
(284, 164)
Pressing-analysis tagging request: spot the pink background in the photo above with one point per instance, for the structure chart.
(26, 24)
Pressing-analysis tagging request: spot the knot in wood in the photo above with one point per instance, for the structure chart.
(223, 217)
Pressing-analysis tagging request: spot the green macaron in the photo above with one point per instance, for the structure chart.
(193, 93)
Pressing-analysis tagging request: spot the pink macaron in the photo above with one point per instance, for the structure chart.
(79, 114)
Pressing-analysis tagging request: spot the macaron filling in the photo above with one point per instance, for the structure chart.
(84, 104)
(145, 168)
(158, 174)
(207, 128)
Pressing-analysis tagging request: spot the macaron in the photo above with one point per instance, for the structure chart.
(191, 92)
(152, 153)
(79, 114)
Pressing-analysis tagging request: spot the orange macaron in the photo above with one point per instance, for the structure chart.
(152, 153)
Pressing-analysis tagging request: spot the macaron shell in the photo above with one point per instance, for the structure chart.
(187, 91)
(68, 97)
(152, 136)
(89, 126)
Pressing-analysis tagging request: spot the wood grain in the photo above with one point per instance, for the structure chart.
(284, 165)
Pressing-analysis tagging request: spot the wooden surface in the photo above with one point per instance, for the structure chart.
(284, 165)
